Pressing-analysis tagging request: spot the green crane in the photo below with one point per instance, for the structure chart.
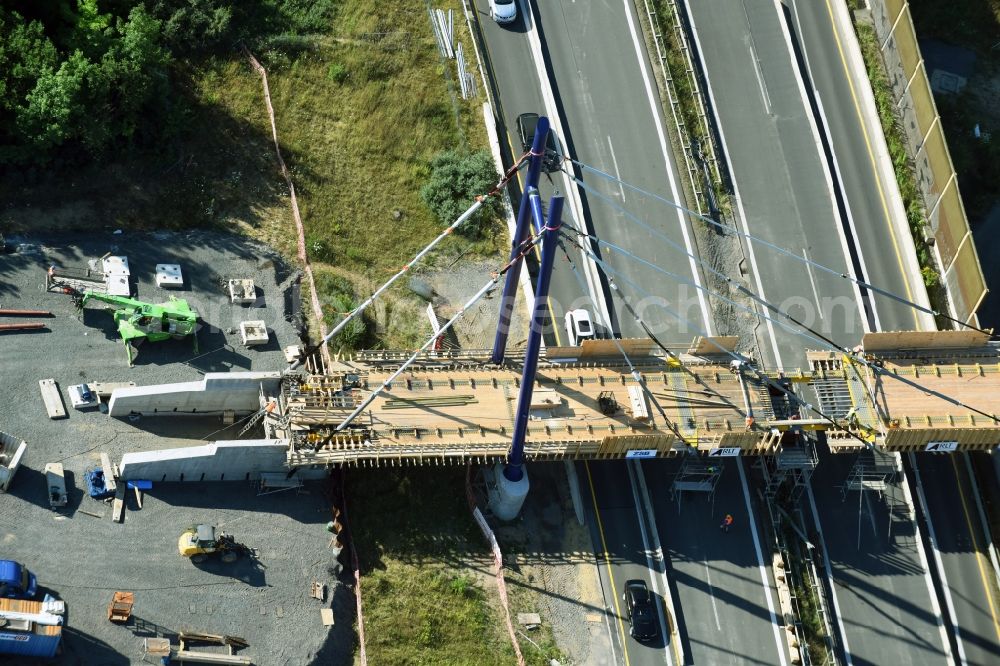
(138, 321)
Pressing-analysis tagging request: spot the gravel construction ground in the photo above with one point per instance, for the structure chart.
(552, 570)
(83, 559)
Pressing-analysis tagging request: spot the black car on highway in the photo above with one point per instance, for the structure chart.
(526, 123)
(640, 611)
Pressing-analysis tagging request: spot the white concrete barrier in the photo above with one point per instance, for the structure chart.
(242, 460)
(215, 393)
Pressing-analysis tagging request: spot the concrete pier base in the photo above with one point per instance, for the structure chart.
(506, 497)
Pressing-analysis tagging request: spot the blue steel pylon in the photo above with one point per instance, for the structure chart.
(514, 470)
(520, 236)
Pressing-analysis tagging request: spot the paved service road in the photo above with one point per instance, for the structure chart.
(725, 610)
(779, 174)
(958, 528)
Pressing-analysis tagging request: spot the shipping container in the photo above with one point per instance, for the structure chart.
(30, 629)
(31, 644)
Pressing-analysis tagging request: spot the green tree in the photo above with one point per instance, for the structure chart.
(25, 52)
(194, 25)
(134, 81)
(56, 106)
(456, 179)
(91, 31)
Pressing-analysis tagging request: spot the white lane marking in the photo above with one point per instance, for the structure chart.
(757, 69)
(948, 602)
(711, 593)
(699, 51)
(854, 230)
(608, 612)
(618, 174)
(935, 605)
(812, 281)
(782, 648)
(650, 557)
(570, 188)
(668, 595)
(829, 576)
(828, 176)
(982, 516)
(653, 105)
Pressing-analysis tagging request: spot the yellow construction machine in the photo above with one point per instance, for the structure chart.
(199, 542)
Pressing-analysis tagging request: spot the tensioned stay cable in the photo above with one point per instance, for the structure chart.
(761, 375)
(728, 230)
(635, 373)
(470, 211)
(525, 247)
(807, 331)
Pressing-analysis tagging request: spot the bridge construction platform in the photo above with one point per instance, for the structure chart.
(902, 405)
(577, 411)
(900, 392)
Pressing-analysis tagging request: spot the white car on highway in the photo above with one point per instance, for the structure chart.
(579, 327)
(503, 11)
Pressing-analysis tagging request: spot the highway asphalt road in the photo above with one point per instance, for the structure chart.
(970, 584)
(508, 56)
(724, 608)
(880, 579)
(613, 518)
(822, 49)
(954, 517)
(626, 140)
(781, 182)
(867, 196)
(785, 187)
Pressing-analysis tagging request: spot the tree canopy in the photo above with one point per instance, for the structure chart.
(456, 179)
(81, 79)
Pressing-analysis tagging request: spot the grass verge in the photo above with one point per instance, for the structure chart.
(806, 604)
(902, 164)
(428, 590)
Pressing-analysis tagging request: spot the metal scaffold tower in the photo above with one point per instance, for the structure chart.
(873, 470)
(788, 472)
(696, 475)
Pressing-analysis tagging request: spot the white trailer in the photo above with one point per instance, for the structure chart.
(11, 451)
(55, 478)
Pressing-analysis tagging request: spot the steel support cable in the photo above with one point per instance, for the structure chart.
(807, 331)
(762, 376)
(527, 246)
(470, 211)
(727, 230)
(818, 336)
(635, 373)
(670, 354)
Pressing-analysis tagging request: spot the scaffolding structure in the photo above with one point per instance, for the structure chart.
(789, 471)
(873, 470)
(696, 475)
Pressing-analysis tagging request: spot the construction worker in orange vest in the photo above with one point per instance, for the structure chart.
(727, 522)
